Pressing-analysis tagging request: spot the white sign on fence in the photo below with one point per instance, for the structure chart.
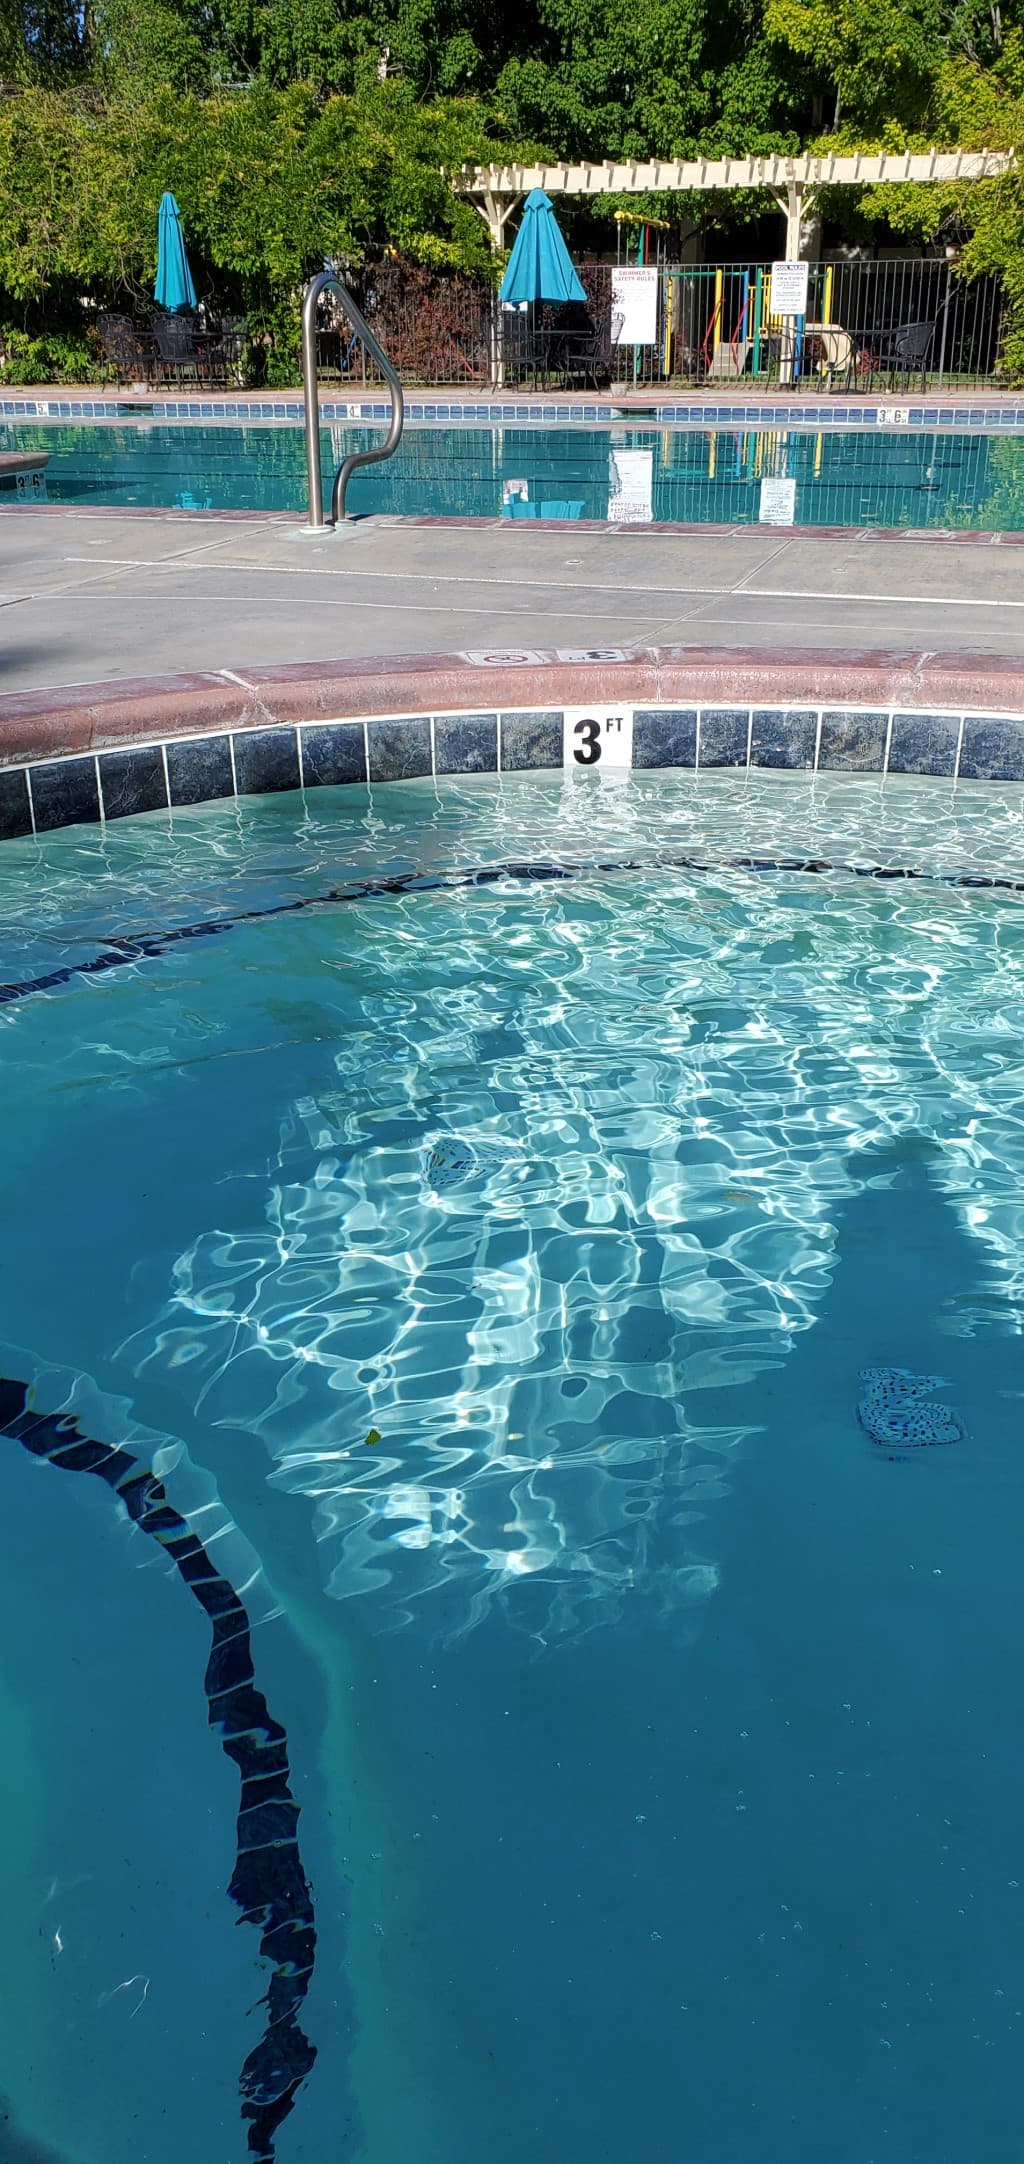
(778, 500)
(789, 289)
(597, 736)
(635, 304)
(630, 487)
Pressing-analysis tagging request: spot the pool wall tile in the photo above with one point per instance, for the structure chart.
(665, 736)
(465, 744)
(266, 759)
(199, 770)
(65, 793)
(924, 743)
(992, 749)
(333, 751)
(15, 809)
(399, 750)
(783, 737)
(133, 781)
(724, 736)
(854, 743)
(531, 740)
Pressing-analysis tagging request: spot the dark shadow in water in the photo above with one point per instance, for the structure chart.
(17, 2147)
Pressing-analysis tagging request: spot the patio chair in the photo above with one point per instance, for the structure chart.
(130, 353)
(229, 337)
(177, 361)
(900, 353)
(575, 346)
(186, 354)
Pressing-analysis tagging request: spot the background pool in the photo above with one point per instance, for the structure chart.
(488, 1274)
(849, 478)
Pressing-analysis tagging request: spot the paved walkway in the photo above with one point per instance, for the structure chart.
(87, 597)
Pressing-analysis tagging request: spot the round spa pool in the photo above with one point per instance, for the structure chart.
(512, 1476)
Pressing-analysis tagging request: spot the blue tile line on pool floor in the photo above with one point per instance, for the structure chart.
(268, 1883)
(753, 415)
(124, 952)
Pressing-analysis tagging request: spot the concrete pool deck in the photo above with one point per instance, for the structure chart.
(88, 597)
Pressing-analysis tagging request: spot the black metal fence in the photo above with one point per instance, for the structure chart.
(917, 322)
(915, 318)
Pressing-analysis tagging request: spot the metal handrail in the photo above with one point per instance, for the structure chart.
(328, 282)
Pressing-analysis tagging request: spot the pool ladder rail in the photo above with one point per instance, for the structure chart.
(327, 281)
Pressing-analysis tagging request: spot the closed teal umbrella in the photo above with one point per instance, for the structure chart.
(539, 267)
(174, 287)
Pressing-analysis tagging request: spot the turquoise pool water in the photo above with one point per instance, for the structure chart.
(858, 477)
(488, 1277)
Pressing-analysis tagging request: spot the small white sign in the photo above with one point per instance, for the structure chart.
(590, 653)
(789, 289)
(597, 736)
(516, 657)
(635, 304)
(630, 487)
(778, 501)
(892, 416)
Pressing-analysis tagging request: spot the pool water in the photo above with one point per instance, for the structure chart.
(860, 477)
(485, 1276)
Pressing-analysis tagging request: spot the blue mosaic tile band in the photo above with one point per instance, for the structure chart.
(50, 793)
(818, 412)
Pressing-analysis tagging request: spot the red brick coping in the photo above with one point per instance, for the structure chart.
(71, 718)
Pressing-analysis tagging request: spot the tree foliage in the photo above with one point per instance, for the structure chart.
(294, 129)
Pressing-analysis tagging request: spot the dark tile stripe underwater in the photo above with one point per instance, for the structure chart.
(113, 784)
(268, 1882)
(128, 950)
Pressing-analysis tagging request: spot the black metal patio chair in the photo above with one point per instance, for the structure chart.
(900, 353)
(188, 354)
(130, 353)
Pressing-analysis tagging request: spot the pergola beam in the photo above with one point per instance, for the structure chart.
(794, 182)
(782, 175)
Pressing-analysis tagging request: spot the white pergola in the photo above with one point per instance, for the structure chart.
(795, 182)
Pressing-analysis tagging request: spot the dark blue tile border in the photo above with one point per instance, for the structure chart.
(65, 794)
(133, 781)
(531, 740)
(781, 737)
(185, 771)
(724, 736)
(332, 752)
(992, 749)
(15, 808)
(399, 750)
(466, 744)
(199, 769)
(924, 744)
(665, 736)
(854, 742)
(266, 760)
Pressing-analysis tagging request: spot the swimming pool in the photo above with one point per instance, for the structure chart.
(743, 476)
(473, 1292)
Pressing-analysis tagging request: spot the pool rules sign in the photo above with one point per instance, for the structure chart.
(597, 737)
